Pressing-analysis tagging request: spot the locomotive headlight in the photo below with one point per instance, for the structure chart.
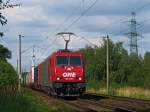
(80, 78)
(58, 78)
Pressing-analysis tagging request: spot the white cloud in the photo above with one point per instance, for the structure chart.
(37, 19)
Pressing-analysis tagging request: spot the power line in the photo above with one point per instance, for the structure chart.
(144, 21)
(46, 49)
(133, 35)
(83, 38)
(3, 41)
(83, 5)
(117, 21)
(71, 14)
(67, 18)
(142, 7)
(27, 49)
(123, 31)
(82, 14)
(88, 41)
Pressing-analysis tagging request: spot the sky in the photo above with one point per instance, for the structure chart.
(40, 20)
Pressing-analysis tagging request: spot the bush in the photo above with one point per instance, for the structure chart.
(8, 76)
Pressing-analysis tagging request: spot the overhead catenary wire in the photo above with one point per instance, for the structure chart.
(144, 21)
(89, 42)
(117, 21)
(66, 19)
(83, 5)
(82, 14)
(110, 25)
(31, 47)
(84, 38)
(46, 50)
(142, 7)
(136, 11)
(62, 23)
(123, 31)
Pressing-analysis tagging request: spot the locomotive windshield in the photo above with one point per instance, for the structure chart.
(68, 60)
(62, 60)
(74, 61)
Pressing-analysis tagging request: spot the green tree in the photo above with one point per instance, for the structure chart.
(7, 74)
(135, 68)
(88, 55)
(4, 53)
(146, 69)
(119, 64)
(124, 69)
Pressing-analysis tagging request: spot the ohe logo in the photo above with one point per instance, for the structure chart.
(72, 74)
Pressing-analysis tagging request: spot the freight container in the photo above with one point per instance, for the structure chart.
(36, 76)
(39, 75)
(45, 78)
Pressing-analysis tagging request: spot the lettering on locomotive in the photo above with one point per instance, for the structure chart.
(69, 74)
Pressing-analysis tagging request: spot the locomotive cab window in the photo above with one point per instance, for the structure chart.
(75, 60)
(62, 60)
(68, 60)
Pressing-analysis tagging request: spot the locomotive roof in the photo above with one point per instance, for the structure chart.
(66, 53)
(63, 53)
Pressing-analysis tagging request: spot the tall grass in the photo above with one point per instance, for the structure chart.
(13, 101)
(118, 90)
(134, 92)
(25, 101)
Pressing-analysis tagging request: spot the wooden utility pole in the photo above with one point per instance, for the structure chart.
(107, 64)
(19, 68)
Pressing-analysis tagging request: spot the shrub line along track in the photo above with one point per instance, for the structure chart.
(104, 103)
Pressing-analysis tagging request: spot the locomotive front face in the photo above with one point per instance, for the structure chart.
(69, 68)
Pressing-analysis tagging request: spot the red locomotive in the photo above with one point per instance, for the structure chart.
(61, 74)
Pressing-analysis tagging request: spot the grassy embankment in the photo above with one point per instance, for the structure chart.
(125, 91)
(26, 101)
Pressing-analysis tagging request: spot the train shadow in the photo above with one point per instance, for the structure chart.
(69, 98)
(84, 97)
(92, 97)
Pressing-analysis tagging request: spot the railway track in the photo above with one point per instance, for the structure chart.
(117, 103)
(103, 103)
(84, 106)
(94, 106)
(91, 95)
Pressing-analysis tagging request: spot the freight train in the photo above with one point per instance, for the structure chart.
(61, 74)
